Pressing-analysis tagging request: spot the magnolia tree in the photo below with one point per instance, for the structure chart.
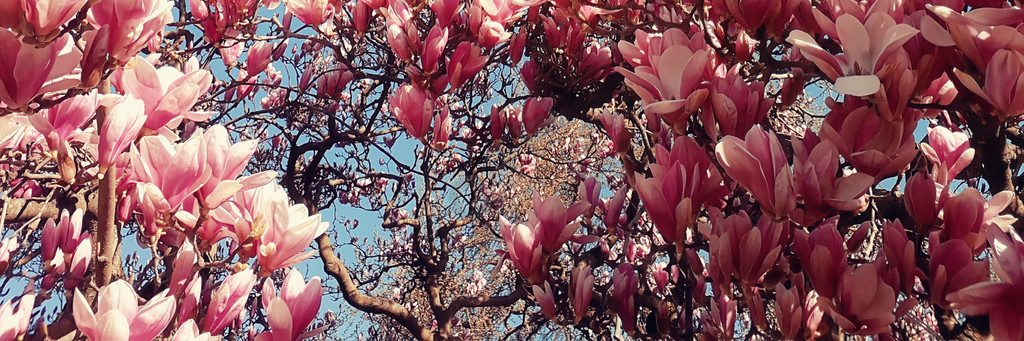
(487, 169)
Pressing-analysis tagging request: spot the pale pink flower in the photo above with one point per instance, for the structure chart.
(46, 16)
(289, 230)
(132, 25)
(523, 247)
(120, 317)
(168, 93)
(119, 129)
(291, 312)
(228, 301)
(27, 71)
(950, 152)
(310, 12)
(16, 319)
(867, 46)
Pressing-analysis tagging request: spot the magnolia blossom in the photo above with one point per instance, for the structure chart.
(759, 164)
(168, 93)
(293, 310)
(867, 46)
(16, 319)
(582, 290)
(546, 299)
(120, 317)
(414, 108)
(228, 301)
(27, 71)
(130, 25)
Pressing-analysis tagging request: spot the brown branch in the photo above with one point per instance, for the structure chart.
(374, 305)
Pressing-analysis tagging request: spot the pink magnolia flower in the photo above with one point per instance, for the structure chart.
(1003, 88)
(735, 105)
(466, 61)
(414, 107)
(867, 46)
(445, 11)
(120, 128)
(332, 83)
(924, 200)
(66, 248)
(132, 25)
(119, 316)
(815, 165)
(582, 290)
(759, 164)
(16, 319)
(949, 153)
(978, 34)
(189, 331)
(523, 247)
(553, 223)
(624, 285)
(967, 215)
(310, 12)
(952, 267)
(537, 113)
(442, 128)
(293, 310)
(258, 57)
(226, 162)
(615, 126)
(683, 180)
(228, 301)
(433, 48)
(46, 16)
(168, 173)
(401, 31)
(740, 250)
(863, 304)
(288, 230)
(896, 263)
(168, 93)
(58, 123)
(671, 85)
(545, 298)
(7, 246)
(184, 263)
(752, 15)
(873, 145)
(822, 256)
(1000, 300)
(722, 320)
(789, 311)
(27, 71)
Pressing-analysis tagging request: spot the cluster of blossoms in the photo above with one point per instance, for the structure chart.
(185, 190)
